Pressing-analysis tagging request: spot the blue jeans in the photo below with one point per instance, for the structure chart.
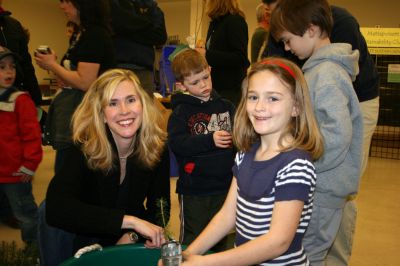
(24, 208)
(5, 208)
(55, 245)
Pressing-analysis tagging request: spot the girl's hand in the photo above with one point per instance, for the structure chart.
(193, 260)
(222, 139)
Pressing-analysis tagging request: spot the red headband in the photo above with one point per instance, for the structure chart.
(281, 64)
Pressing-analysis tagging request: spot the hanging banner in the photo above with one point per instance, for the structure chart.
(382, 41)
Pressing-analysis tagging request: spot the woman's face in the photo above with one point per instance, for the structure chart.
(70, 11)
(123, 114)
(70, 32)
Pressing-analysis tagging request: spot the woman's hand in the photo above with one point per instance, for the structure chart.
(153, 233)
(46, 61)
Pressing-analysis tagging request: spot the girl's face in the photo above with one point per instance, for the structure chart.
(7, 72)
(123, 114)
(269, 104)
(70, 11)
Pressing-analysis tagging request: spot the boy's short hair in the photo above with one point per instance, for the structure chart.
(296, 16)
(188, 62)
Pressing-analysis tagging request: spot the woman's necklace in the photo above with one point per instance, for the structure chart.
(123, 157)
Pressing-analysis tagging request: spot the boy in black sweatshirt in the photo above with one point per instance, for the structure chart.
(199, 134)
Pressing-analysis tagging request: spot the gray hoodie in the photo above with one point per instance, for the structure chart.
(329, 73)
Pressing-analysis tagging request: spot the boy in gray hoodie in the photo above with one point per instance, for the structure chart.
(304, 27)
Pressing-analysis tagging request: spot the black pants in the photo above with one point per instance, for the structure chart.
(195, 214)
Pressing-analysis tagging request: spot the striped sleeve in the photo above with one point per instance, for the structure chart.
(296, 181)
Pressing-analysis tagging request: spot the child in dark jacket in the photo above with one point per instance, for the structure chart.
(199, 134)
(20, 146)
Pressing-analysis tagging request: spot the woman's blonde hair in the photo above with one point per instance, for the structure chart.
(89, 129)
(218, 8)
(303, 127)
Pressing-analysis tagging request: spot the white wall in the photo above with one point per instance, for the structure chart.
(46, 22)
(369, 13)
(177, 18)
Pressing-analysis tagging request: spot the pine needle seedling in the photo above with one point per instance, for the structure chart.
(163, 217)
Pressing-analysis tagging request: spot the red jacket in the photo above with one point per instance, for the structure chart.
(20, 137)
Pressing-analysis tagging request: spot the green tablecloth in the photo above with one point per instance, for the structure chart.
(126, 255)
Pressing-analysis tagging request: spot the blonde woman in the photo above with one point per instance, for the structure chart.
(109, 186)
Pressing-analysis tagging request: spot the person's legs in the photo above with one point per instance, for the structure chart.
(340, 252)
(193, 220)
(196, 212)
(370, 113)
(215, 203)
(321, 232)
(55, 245)
(5, 208)
(6, 215)
(23, 207)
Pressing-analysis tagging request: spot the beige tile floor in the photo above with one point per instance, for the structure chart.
(378, 225)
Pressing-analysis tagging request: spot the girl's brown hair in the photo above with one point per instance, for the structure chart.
(303, 127)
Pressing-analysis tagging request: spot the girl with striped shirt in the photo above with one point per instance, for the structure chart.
(271, 195)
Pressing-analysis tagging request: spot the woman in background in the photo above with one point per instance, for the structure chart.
(226, 47)
(89, 54)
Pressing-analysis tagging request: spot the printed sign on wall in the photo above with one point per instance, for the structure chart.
(382, 41)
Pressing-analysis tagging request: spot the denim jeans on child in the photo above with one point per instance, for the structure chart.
(24, 208)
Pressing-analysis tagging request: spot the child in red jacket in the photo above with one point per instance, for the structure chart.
(20, 146)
